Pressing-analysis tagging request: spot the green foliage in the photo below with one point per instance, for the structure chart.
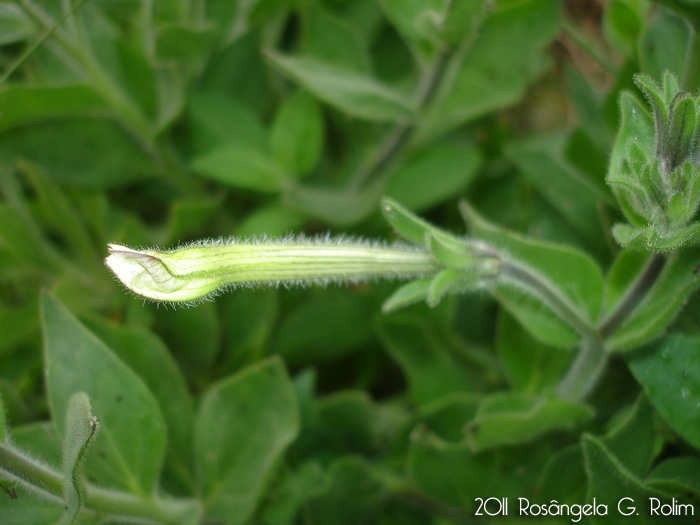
(546, 349)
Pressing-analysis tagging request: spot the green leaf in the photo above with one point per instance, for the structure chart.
(353, 93)
(148, 357)
(449, 472)
(275, 220)
(334, 207)
(351, 416)
(567, 190)
(341, 322)
(680, 475)
(296, 137)
(30, 509)
(331, 39)
(632, 438)
(413, 182)
(663, 44)
(407, 294)
(622, 23)
(91, 153)
(530, 366)
(564, 477)
(669, 371)
(216, 120)
(14, 25)
(352, 494)
(491, 75)
(425, 358)
(507, 419)
(131, 445)
(22, 105)
(411, 19)
(661, 303)
(240, 166)
(244, 425)
(609, 481)
(179, 43)
(80, 433)
(40, 440)
(193, 335)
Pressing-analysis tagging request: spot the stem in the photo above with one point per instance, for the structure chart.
(566, 311)
(30, 472)
(633, 297)
(98, 500)
(400, 135)
(585, 371)
(590, 362)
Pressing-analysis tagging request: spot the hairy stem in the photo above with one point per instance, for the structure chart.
(585, 371)
(633, 297)
(567, 312)
(98, 500)
(397, 138)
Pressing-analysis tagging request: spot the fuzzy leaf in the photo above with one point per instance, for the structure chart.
(244, 424)
(131, 445)
(356, 94)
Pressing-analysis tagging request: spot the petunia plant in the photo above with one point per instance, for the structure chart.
(349, 262)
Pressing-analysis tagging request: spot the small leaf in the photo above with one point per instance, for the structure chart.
(356, 94)
(632, 439)
(425, 358)
(296, 137)
(131, 444)
(351, 494)
(450, 472)
(680, 475)
(81, 431)
(244, 425)
(669, 371)
(23, 105)
(530, 366)
(413, 182)
(240, 166)
(609, 481)
(216, 120)
(490, 75)
(506, 419)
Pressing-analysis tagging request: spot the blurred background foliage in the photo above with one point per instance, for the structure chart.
(158, 122)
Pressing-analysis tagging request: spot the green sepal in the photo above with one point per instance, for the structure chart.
(408, 294)
(80, 432)
(450, 281)
(410, 226)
